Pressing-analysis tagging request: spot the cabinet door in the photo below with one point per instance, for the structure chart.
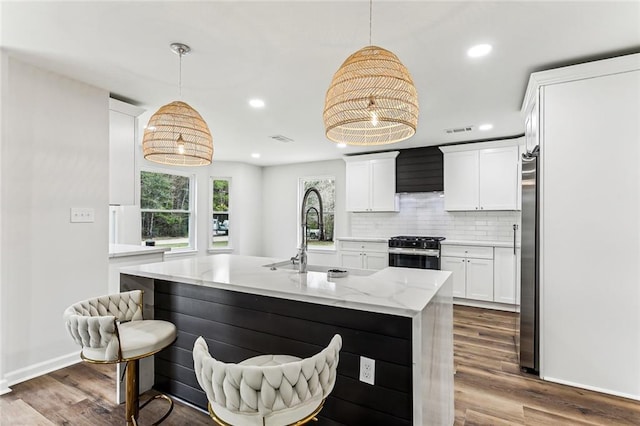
(480, 279)
(504, 283)
(375, 261)
(461, 184)
(383, 185)
(358, 185)
(351, 259)
(499, 178)
(456, 266)
(122, 128)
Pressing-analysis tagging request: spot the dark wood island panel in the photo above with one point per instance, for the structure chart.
(241, 325)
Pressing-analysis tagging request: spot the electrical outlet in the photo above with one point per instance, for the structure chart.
(367, 370)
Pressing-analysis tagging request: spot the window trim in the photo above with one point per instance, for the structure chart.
(229, 247)
(301, 181)
(193, 206)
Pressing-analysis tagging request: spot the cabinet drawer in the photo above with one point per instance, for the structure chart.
(364, 246)
(478, 252)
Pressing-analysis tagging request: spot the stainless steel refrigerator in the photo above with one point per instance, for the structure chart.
(530, 268)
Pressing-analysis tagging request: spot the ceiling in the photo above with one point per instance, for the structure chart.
(287, 52)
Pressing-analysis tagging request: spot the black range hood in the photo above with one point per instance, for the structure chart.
(420, 170)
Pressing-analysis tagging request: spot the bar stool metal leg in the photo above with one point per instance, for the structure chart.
(132, 396)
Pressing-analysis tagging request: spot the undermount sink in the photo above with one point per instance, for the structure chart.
(288, 265)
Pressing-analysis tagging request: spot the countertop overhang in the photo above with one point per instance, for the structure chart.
(397, 291)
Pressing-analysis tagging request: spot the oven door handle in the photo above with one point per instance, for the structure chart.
(410, 252)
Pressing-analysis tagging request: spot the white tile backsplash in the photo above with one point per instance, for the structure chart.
(424, 214)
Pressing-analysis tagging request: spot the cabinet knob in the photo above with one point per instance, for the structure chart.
(481, 208)
(476, 208)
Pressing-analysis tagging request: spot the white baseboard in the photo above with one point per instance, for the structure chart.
(591, 388)
(486, 305)
(35, 370)
(4, 387)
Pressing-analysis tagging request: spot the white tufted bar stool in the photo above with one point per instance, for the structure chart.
(267, 390)
(110, 330)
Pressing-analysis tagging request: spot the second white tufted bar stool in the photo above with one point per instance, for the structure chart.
(267, 390)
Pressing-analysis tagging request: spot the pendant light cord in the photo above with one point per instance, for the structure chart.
(370, 13)
(180, 53)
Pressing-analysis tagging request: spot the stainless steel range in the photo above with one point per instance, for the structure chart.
(415, 252)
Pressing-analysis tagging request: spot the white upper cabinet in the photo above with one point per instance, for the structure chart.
(371, 182)
(122, 145)
(461, 188)
(499, 178)
(482, 176)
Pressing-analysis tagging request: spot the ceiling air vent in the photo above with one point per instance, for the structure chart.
(281, 138)
(459, 130)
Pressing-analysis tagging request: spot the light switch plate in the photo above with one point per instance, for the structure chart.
(82, 215)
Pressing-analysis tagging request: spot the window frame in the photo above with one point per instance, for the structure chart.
(193, 217)
(210, 247)
(301, 190)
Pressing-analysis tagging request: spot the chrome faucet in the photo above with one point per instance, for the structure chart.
(301, 257)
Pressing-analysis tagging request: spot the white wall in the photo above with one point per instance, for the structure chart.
(54, 157)
(3, 85)
(424, 214)
(590, 217)
(281, 210)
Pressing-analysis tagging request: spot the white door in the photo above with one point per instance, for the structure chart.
(480, 279)
(351, 259)
(373, 260)
(461, 180)
(499, 178)
(383, 185)
(456, 265)
(504, 282)
(358, 184)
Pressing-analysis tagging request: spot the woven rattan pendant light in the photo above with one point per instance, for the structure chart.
(176, 134)
(371, 100)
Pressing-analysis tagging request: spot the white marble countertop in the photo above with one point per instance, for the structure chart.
(122, 250)
(396, 291)
(367, 239)
(479, 243)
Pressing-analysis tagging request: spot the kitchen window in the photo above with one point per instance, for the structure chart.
(166, 206)
(326, 187)
(219, 208)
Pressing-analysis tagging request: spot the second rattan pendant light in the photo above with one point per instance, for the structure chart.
(371, 100)
(176, 134)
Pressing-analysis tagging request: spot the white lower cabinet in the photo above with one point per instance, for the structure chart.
(507, 275)
(483, 273)
(472, 268)
(480, 279)
(457, 266)
(363, 254)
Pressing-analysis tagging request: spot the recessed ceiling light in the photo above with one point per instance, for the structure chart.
(479, 50)
(255, 155)
(256, 103)
(342, 145)
(485, 127)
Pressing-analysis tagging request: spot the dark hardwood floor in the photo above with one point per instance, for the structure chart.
(489, 389)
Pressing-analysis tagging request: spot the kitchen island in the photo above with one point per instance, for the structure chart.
(399, 317)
